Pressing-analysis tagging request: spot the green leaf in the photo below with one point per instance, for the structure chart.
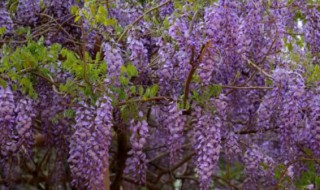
(147, 94)
(133, 89)
(289, 2)
(26, 87)
(290, 47)
(122, 94)
(3, 83)
(166, 23)
(124, 80)
(131, 70)
(154, 90)
(269, 82)
(215, 90)
(77, 18)
(74, 10)
(195, 94)
(279, 170)
(102, 11)
(69, 113)
(2, 30)
(141, 90)
(123, 70)
(118, 29)
(110, 22)
(69, 87)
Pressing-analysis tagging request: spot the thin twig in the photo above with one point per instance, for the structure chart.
(259, 69)
(186, 159)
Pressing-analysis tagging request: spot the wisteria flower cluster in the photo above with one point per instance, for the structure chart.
(162, 94)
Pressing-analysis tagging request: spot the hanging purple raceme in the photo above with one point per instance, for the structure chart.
(79, 148)
(167, 72)
(207, 145)
(137, 162)
(314, 133)
(138, 54)
(27, 12)
(25, 113)
(291, 85)
(221, 24)
(5, 19)
(221, 28)
(7, 120)
(250, 40)
(89, 146)
(259, 169)
(112, 55)
(103, 124)
(312, 31)
(175, 123)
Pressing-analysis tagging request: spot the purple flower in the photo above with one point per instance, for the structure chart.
(137, 162)
(207, 145)
(175, 124)
(89, 146)
(25, 113)
(7, 120)
(27, 12)
(5, 20)
(113, 57)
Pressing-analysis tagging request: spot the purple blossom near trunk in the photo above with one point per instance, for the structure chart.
(25, 113)
(7, 120)
(207, 145)
(137, 162)
(7, 137)
(89, 146)
(175, 124)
